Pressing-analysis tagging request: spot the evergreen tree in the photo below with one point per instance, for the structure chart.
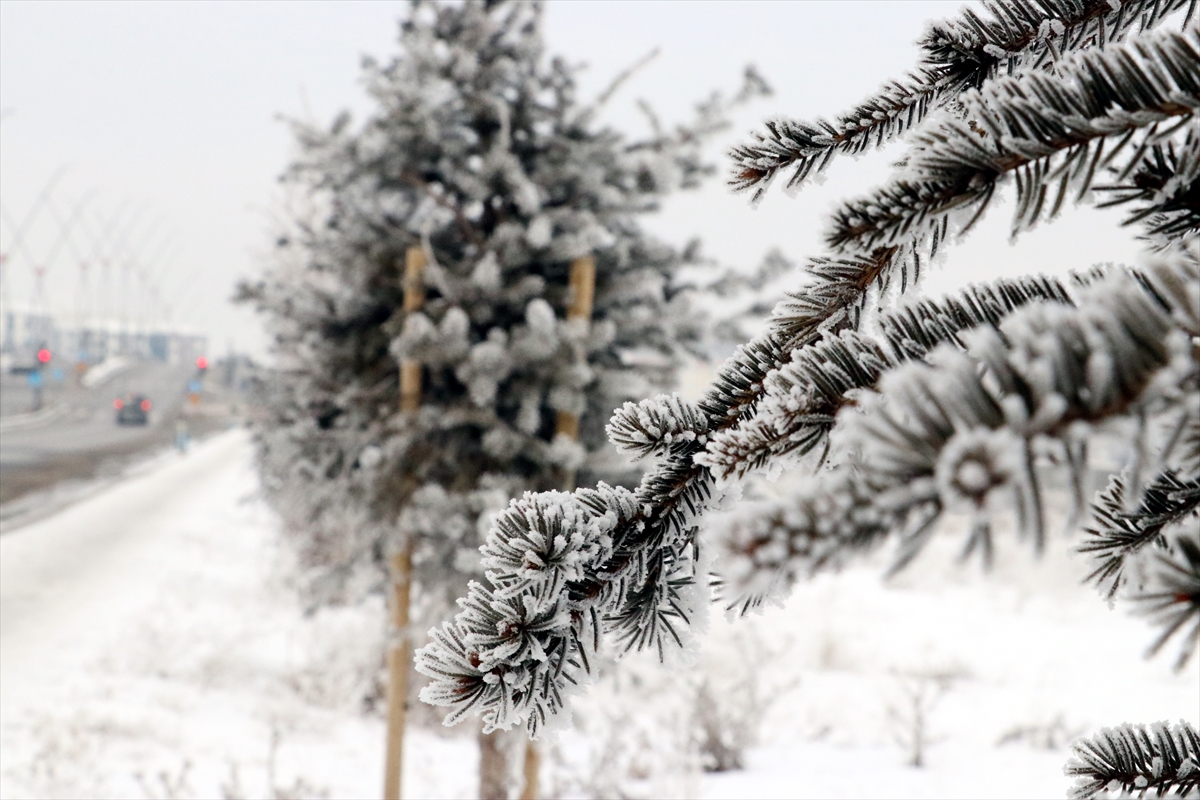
(960, 402)
(481, 162)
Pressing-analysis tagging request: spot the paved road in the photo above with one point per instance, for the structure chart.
(80, 440)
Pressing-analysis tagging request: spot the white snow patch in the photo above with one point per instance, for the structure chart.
(99, 373)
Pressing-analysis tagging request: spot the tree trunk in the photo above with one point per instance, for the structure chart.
(493, 766)
(533, 761)
(399, 658)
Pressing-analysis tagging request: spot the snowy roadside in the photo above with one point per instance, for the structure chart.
(151, 647)
(104, 469)
(147, 649)
(32, 419)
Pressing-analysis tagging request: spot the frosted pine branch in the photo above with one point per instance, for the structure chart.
(798, 407)
(1173, 602)
(957, 54)
(956, 429)
(657, 426)
(1049, 132)
(802, 397)
(1049, 367)
(951, 158)
(1165, 185)
(514, 652)
(1157, 759)
(659, 539)
(1116, 534)
(768, 547)
(1071, 112)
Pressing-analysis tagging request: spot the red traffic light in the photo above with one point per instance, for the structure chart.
(201, 363)
(44, 356)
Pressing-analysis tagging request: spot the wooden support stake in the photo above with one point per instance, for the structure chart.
(399, 658)
(399, 665)
(581, 289)
(414, 298)
(581, 292)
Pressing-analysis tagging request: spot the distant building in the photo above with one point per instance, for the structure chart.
(23, 332)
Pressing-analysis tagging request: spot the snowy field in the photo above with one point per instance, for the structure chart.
(151, 646)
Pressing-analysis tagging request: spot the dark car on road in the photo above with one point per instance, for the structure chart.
(132, 410)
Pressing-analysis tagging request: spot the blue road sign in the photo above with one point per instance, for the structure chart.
(193, 387)
(34, 378)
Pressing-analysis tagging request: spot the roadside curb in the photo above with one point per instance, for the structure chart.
(32, 419)
(36, 506)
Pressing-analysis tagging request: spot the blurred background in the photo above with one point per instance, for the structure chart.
(153, 644)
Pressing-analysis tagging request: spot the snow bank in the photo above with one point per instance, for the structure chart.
(99, 373)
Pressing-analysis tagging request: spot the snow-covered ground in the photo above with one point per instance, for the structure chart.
(148, 650)
(151, 646)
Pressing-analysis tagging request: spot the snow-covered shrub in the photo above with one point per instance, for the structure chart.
(734, 681)
(630, 737)
(724, 726)
(480, 154)
(480, 158)
(1053, 735)
(919, 693)
(338, 662)
(643, 732)
(166, 785)
(64, 752)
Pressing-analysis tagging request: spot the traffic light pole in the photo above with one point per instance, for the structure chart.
(37, 381)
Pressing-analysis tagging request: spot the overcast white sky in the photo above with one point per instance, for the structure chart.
(168, 115)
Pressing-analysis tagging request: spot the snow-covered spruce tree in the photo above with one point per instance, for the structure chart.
(480, 157)
(950, 402)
